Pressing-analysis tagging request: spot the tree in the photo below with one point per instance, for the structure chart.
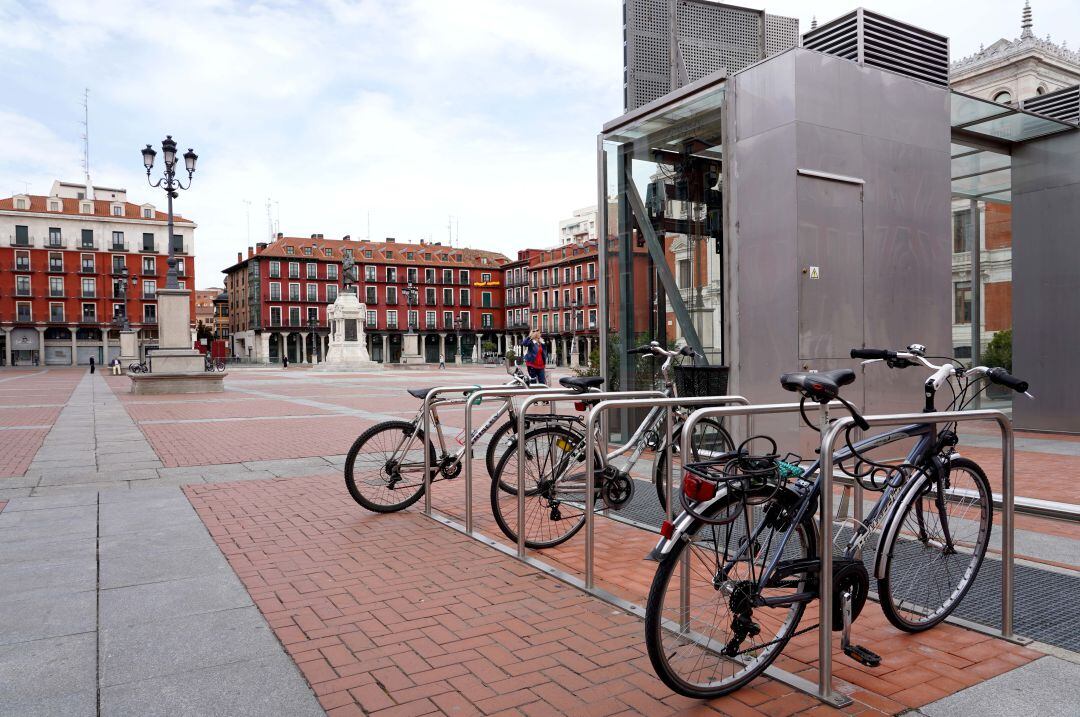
(999, 350)
(202, 331)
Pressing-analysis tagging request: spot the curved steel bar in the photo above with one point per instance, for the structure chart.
(522, 413)
(473, 400)
(590, 452)
(828, 441)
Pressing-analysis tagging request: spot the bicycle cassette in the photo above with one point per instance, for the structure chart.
(617, 490)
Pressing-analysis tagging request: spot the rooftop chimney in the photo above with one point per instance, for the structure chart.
(251, 251)
(314, 236)
(280, 235)
(239, 257)
(390, 240)
(347, 237)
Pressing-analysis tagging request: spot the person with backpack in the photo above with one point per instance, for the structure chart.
(535, 356)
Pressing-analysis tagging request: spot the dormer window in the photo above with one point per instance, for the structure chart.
(86, 207)
(307, 251)
(22, 203)
(290, 250)
(54, 206)
(328, 252)
(117, 210)
(147, 212)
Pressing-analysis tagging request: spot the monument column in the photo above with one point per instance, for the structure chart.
(303, 347)
(41, 345)
(442, 347)
(386, 348)
(74, 346)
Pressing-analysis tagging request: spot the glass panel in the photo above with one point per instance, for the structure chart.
(980, 184)
(1017, 127)
(971, 109)
(978, 163)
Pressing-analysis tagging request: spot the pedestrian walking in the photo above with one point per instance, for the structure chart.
(442, 360)
(285, 361)
(91, 364)
(535, 356)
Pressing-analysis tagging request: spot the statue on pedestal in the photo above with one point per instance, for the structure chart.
(348, 347)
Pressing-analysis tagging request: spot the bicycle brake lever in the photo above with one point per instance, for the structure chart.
(867, 362)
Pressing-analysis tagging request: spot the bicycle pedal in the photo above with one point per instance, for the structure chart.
(862, 655)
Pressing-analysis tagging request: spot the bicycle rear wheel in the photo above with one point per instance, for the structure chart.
(925, 579)
(554, 487)
(703, 644)
(710, 440)
(384, 470)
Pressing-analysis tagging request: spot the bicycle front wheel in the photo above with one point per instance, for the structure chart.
(939, 539)
(384, 470)
(705, 635)
(710, 440)
(554, 487)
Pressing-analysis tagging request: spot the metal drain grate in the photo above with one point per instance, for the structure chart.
(1045, 600)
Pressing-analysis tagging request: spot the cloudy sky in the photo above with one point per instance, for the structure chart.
(405, 111)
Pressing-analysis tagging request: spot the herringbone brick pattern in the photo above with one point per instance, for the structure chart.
(397, 615)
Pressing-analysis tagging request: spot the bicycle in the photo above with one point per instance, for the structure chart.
(210, 365)
(385, 465)
(748, 540)
(138, 367)
(555, 477)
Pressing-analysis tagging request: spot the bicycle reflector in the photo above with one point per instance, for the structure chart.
(563, 445)
(667, 529)
(579, 405)
(698, 489)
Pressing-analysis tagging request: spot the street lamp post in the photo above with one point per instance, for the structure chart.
(313, 326)
(170, 184)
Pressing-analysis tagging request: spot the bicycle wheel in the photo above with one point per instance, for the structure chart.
(712, 641)
(710, 440)
(219, 366)
(384, 470)
(924, 580)
(502, 439)
(554, 487)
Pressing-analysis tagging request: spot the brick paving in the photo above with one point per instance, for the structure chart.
(395, 614)
(20, 447)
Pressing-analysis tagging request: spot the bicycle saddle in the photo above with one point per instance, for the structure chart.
(821, 386)
(581, 383)
(420, 393)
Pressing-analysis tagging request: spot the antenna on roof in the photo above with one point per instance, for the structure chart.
(86, 142)
(247, 202)
(368, 238)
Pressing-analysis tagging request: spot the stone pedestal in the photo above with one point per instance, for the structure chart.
(129, 347)
(410, 349)
(176, 367)
(348, 348)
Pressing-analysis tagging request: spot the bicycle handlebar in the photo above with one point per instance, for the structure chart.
(1001, 376)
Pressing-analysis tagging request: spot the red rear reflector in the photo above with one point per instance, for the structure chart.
(698, 490)
(667, 529)
(579, 405)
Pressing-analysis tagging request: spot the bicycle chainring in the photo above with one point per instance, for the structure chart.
(848, 575)
(617, 490)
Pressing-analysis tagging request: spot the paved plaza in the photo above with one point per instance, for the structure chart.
(199, 554)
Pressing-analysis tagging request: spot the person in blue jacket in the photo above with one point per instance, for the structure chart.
(535, 356)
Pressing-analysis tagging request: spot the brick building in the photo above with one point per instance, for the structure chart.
(62, 264)
(278, 295)
(204, 306)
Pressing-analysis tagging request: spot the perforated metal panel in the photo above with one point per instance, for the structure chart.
(872, 39)
(669, 43)
(1061, 104)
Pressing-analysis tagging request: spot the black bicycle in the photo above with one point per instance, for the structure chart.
(748, 542)
(138, 367)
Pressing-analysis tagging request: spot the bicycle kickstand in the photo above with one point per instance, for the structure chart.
(856, 652)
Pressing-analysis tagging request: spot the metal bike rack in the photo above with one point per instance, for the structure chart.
(828, 440)
(466, 390)
(668, 403)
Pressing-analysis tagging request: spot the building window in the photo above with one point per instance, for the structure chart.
(294, 316)
(149, 313)
(275, 291)
(55, 239)
(87, 239)
(148, 268)
(592, 294)
(412, 275)
(369, 295)
(22, 235)
(466, 299)
(487, 321)
(275, 316)
(147, 213)
(429, 296)
(307, 251)
(414, 318)
(591, 271)
(56, 313)
(312, 270)
(87, 263)
(331, 292)
(391, 274)
(117, 264)
(448, 319)
(485, 299)
(89, 288)
(89, 312)
(1004, 98)
(555, 323)
(592, 318)
(448, 297)
(86, 207)
(312, 292)
(466, 322)
(429, 320)
(391, 319)
(275, 269)
(290, 250)
(22, 286)
(962, 302)
(147, 241)
(332, 272)
(294, 292)
(117, 210)
(56, 261)
(294, 270)
(962, 231)
(391, 295)
(485, 277)
(577, 273)
(22, 311)
(429, 276)
(118, 241)
(56, 286)
(369, 273)
(372, 321)
(448, 276)
(367, 253)
(463, 276)
(149, 289)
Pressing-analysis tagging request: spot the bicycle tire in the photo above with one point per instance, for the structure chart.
(367, 437)
(657, 626)
(498, 438)
(540, 500)
(893, 589)
(723, 443)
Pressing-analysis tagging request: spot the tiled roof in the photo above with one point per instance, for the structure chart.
(470, 258)
(102, 208)
(574, 253)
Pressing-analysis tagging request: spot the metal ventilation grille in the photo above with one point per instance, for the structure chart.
(1062, 105)
(872, 39)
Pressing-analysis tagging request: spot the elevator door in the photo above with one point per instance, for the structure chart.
(830, 255)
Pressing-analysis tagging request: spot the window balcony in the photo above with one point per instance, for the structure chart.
(19, 241)
(56, 268)
(23, 317)
(89, 294)
(149, 320)
(91, 245)
(22, 266)
(392, 325)
(89, 318)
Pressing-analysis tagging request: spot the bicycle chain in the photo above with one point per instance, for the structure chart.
(773, 642)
